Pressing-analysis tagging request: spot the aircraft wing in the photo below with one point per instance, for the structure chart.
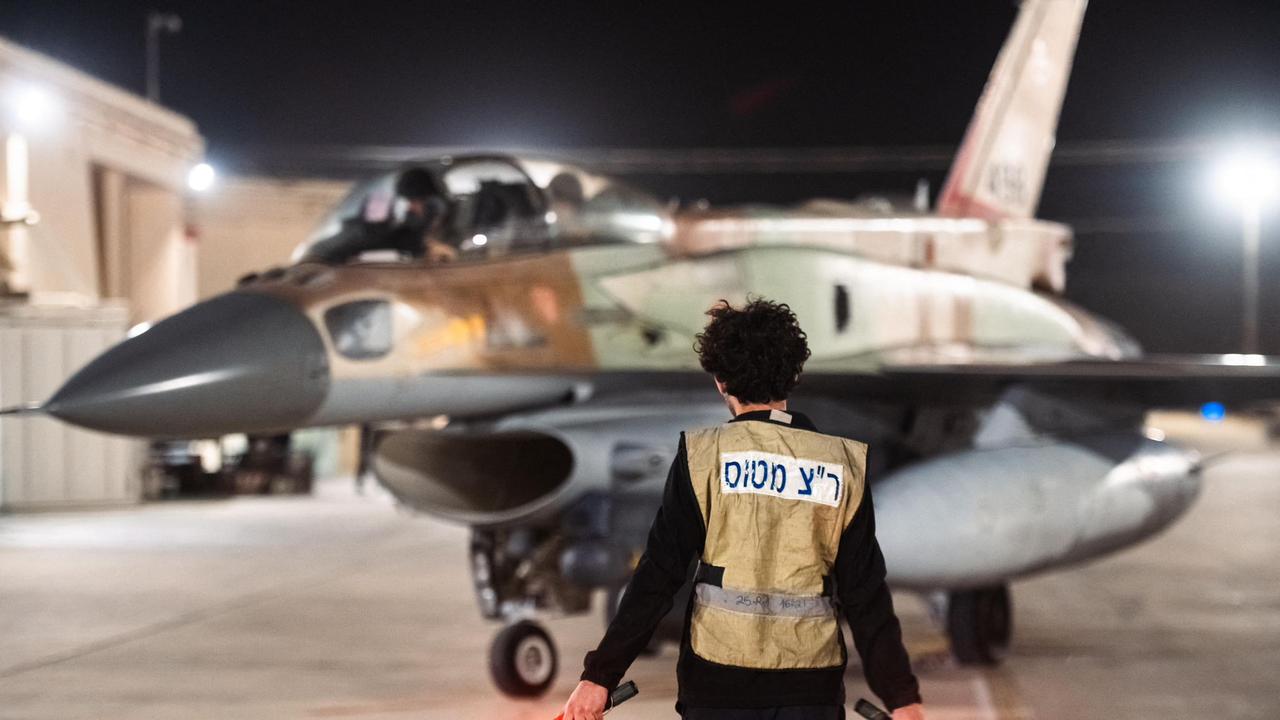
(1154, 381)
(1162, 381)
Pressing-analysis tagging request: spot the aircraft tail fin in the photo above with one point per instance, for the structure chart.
(999, 170)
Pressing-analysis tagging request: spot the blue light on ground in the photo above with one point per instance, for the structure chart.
(1213, 411)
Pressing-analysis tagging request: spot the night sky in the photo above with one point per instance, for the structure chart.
(1153, 251)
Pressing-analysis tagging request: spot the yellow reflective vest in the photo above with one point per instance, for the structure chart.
(774, 500)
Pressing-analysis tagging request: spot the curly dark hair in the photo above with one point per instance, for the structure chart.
(758, 352)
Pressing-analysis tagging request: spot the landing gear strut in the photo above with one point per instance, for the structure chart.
(523, 660)
(979, 624)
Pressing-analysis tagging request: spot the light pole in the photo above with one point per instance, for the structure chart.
(1249, 182)
(157, 22)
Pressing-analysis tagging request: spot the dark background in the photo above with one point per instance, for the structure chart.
(267, 81)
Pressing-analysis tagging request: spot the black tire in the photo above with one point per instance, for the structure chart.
(980, 624)
(301, 468)
(523, 660)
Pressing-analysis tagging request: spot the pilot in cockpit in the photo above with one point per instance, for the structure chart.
(419, 230)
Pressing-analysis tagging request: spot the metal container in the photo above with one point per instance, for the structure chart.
(44, 463)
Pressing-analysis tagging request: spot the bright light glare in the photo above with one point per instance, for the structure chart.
(1245, 179)
(32, 106)
(480, 240)
(1244, 359)
(201, 177)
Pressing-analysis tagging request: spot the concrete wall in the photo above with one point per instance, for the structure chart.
(249, 224)
(119, 240)
(106, 172)
(45, 463)
(162, 257)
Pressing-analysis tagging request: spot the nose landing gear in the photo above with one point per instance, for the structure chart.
(523, 659)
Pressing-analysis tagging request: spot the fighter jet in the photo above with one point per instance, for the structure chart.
(516, 335)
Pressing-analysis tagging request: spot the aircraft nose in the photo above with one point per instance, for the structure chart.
(240, 362)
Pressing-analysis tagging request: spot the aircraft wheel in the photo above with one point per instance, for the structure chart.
(980, 624)
(523, 660)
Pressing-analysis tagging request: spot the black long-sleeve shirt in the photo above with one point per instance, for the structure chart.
(677, 537)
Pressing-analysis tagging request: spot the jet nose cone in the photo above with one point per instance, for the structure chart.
(241, 362)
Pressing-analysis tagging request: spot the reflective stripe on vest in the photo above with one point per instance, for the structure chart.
(762, 603)
(775, 501)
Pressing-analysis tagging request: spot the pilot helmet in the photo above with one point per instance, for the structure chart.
(417, 184)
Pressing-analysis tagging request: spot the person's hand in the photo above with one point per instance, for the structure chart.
(906, 712)
(587, 702)
(438, 252)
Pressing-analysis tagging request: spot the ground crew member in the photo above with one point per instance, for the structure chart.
(780, 519)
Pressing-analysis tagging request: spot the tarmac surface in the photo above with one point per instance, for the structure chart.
(339, 606)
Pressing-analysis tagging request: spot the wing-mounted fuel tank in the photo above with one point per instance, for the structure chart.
(984, 516)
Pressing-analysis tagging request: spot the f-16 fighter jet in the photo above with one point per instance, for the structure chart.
(516, 333)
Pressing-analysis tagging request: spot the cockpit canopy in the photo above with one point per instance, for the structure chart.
(478, 207)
